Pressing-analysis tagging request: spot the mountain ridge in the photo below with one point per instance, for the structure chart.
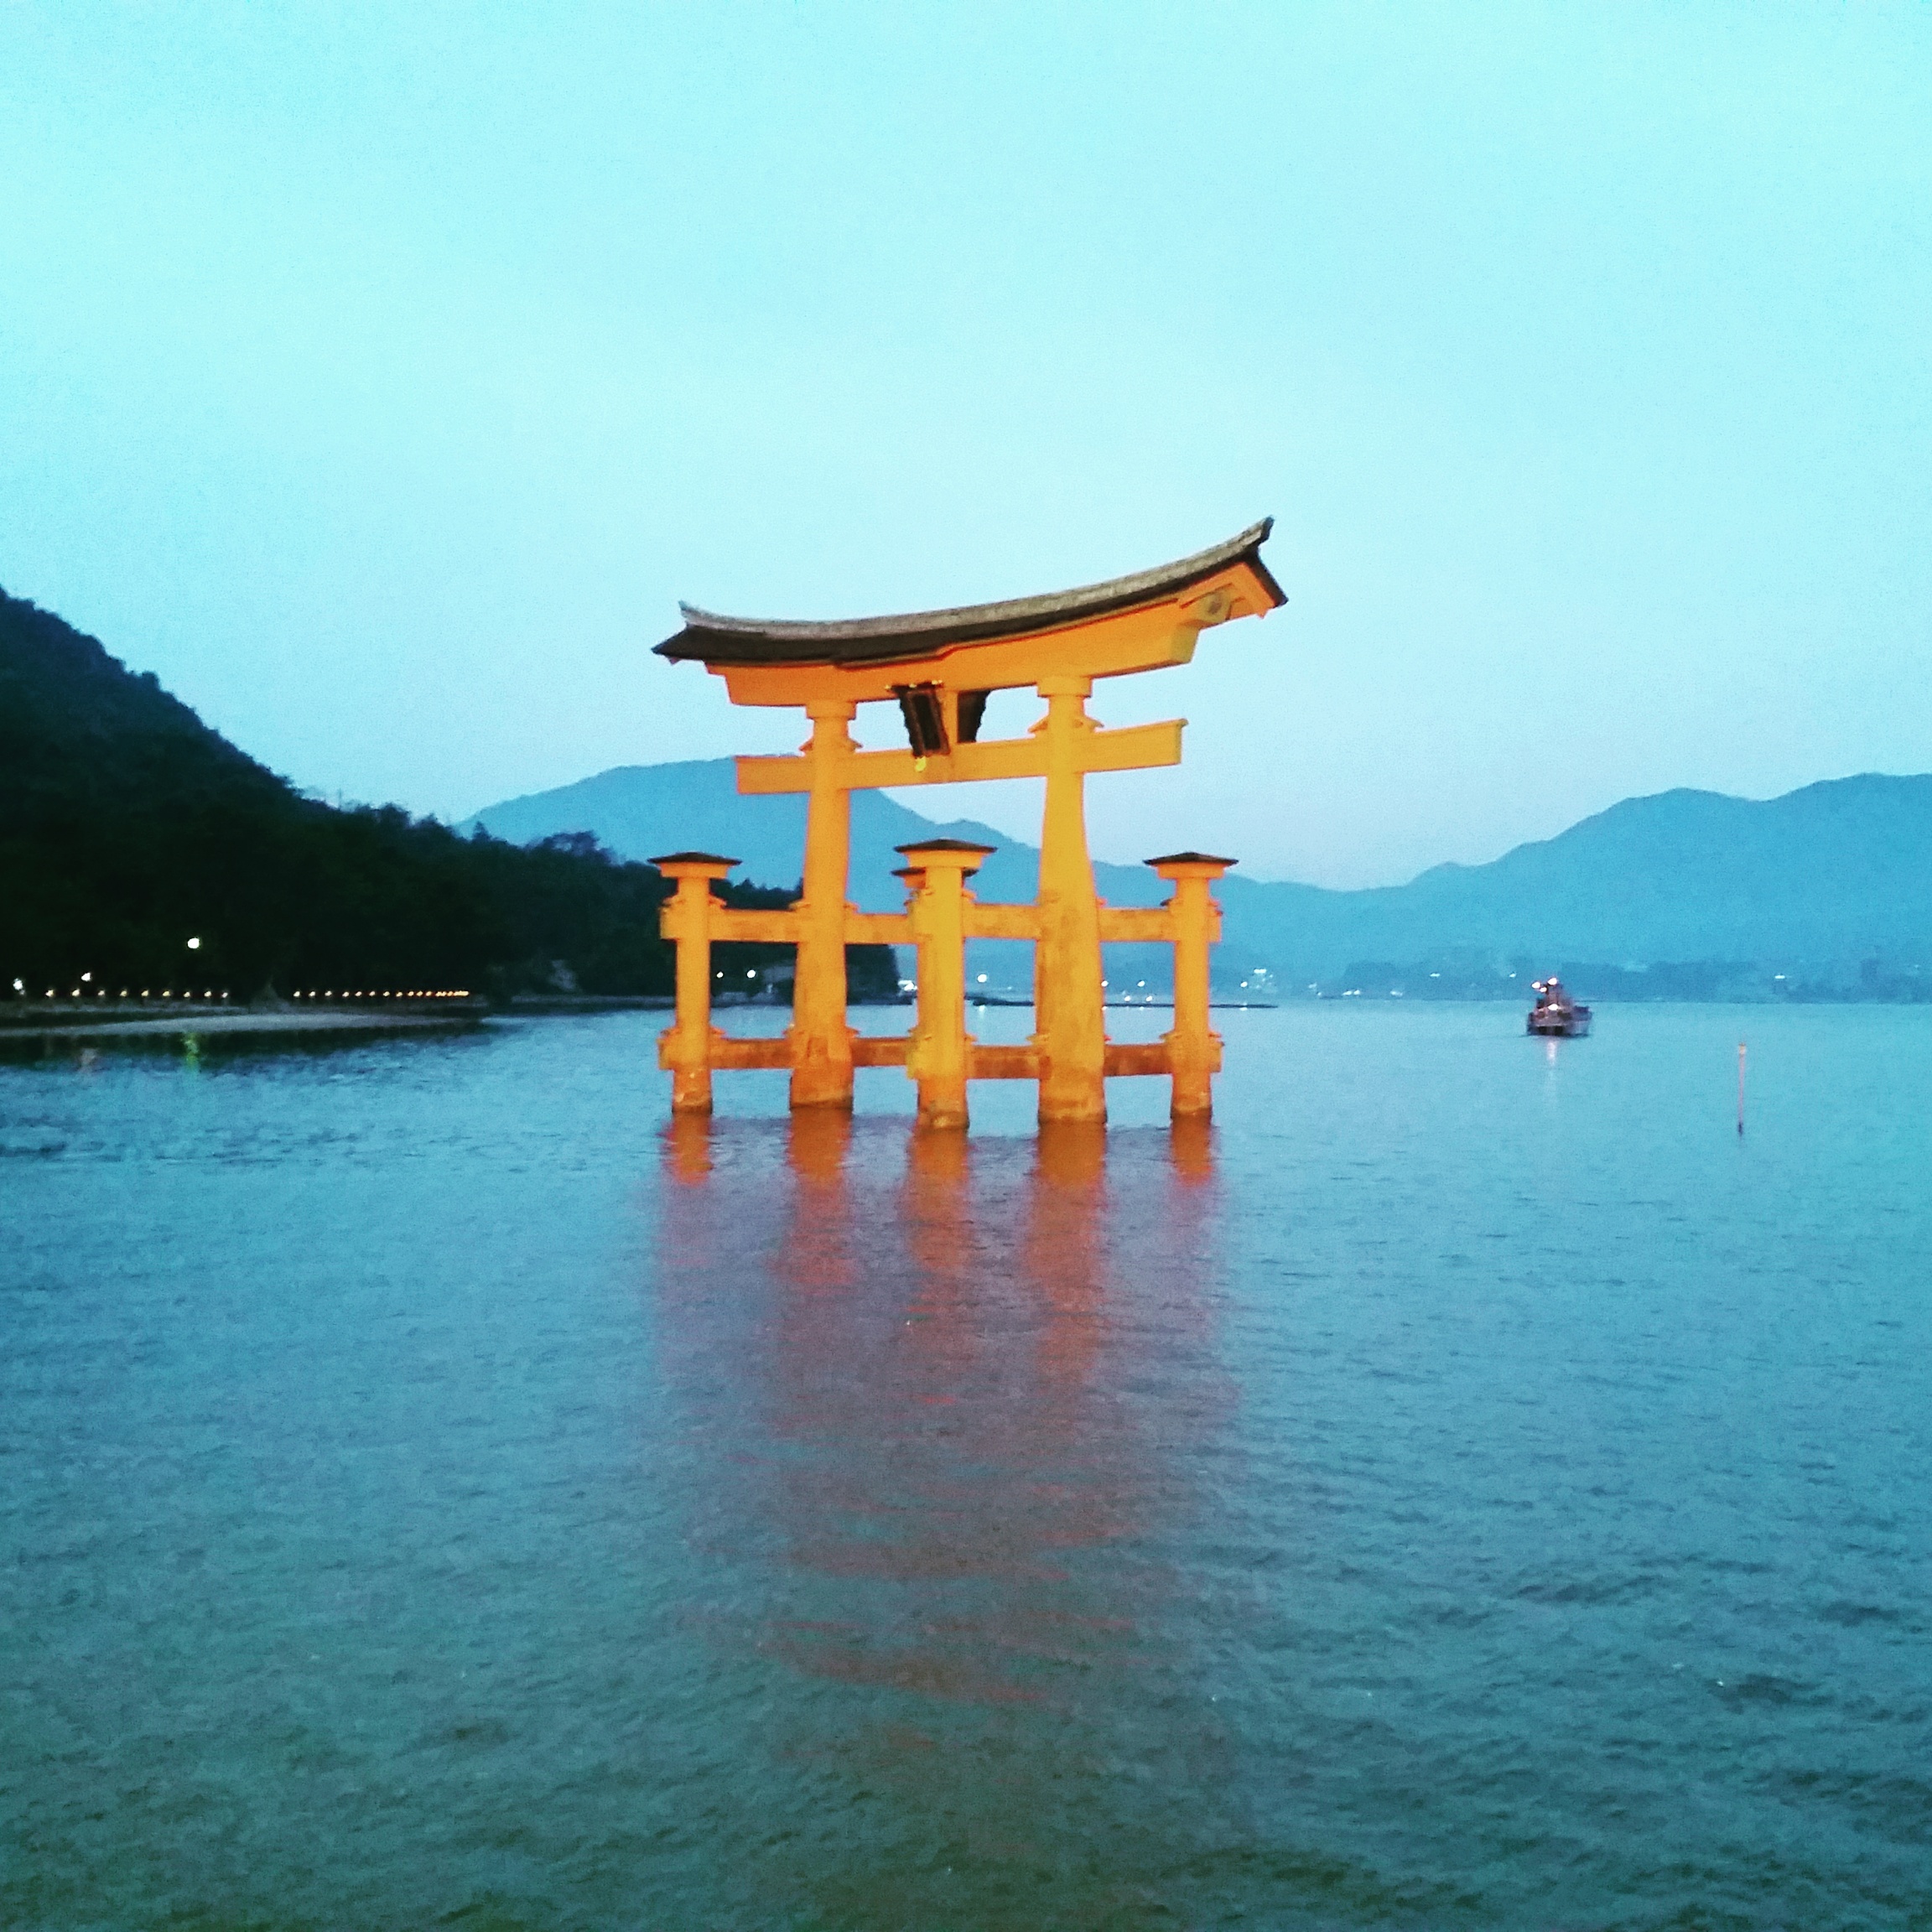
(1816, 882)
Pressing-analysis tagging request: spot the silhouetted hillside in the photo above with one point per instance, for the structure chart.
(127, 827)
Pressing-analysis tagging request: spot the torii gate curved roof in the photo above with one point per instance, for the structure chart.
(722, 641)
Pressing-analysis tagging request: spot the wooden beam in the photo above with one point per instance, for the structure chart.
(1131, 922)
(1002, 922)
(1138, 1057)
(878, 928)
(1133, 748)
(772, 928)
(1002, 1062)
(728, 1054)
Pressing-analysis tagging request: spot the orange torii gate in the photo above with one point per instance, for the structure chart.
(940, 667)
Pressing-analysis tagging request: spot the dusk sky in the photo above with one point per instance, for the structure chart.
(381, 378)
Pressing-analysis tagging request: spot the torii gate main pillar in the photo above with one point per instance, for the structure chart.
(1068, 992)
(821, 1040)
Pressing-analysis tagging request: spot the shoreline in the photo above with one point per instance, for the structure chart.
(215, 1020)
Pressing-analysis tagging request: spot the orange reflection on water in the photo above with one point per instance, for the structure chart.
(1065, 1261)
(914, 1369)
(935, 1208)
(688, 1147)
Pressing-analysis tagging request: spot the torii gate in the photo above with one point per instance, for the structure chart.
(940, 667)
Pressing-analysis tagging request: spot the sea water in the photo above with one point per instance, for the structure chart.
(1471, 1486)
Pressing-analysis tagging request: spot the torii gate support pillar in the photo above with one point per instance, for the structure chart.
(939, 1053)
(685, 1049)
(1193, 1047)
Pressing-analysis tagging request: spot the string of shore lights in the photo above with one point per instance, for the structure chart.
(209, 996)
(87, 989)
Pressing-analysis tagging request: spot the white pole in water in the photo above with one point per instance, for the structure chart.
(1740, 1086)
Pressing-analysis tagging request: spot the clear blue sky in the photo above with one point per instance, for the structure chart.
(382, 377)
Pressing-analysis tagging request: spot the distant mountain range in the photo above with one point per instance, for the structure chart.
(128, 828)
(1827, 889)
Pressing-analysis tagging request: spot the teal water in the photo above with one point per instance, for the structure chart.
(1470, 1487)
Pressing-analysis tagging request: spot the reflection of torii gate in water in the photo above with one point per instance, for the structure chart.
(940, 667)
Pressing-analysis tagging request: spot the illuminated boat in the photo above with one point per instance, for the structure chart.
(1555, 1014)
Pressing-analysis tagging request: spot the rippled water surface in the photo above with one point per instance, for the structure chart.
(1470, 1487)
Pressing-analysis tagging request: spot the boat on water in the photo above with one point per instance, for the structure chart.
(1555, 1014)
